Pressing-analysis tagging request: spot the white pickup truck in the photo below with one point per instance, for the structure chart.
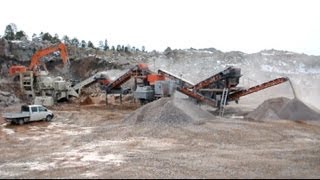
(29, 113)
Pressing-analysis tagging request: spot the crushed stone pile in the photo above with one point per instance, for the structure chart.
(169, 111)
(284, 108)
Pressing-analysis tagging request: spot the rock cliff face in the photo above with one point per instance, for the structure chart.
(20, 50)
(7, 98)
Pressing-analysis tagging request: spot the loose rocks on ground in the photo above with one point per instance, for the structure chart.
(7, 98)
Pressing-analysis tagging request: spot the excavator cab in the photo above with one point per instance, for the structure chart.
(13, 70)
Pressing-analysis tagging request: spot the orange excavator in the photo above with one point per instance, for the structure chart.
(35, 60)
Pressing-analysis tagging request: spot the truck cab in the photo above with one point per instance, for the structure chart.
(37, 112)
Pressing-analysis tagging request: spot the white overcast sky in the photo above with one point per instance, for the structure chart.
(243, 25)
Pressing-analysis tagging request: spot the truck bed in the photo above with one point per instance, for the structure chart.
(16, 115)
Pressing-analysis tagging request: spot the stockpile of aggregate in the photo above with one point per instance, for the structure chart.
(284, 108)
(169, 111)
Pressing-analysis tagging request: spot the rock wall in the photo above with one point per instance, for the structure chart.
(7, 99)
(4, 47)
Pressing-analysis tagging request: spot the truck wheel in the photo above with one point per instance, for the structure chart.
(20, 121)
(26, 120)
(48, 118)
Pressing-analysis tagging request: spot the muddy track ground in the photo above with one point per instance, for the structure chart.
(94, 142)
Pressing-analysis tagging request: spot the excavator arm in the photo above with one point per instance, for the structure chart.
(35, 59)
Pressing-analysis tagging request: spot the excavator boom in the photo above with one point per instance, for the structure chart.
(35, 59)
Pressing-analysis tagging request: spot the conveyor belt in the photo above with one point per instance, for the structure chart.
(238, 94)
(182, 82)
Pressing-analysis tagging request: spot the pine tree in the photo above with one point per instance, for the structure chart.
(90, 45)
(83, 44)
(128, 47)
(40, 36)
(118, 48)
(14, 27)
(47, 37)
(20, 35)
(9, 33)
(66, 40)
(55, 39)
(75, 42)
(106, 46)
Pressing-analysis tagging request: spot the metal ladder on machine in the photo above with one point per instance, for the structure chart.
(26, 83)
(223, 101)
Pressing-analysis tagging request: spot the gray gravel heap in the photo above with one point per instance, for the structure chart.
(169, 111)
(284, 108)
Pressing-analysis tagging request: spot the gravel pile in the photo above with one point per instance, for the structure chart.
(169, 111)
(284, 108)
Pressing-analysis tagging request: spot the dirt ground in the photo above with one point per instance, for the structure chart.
(92, 141)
